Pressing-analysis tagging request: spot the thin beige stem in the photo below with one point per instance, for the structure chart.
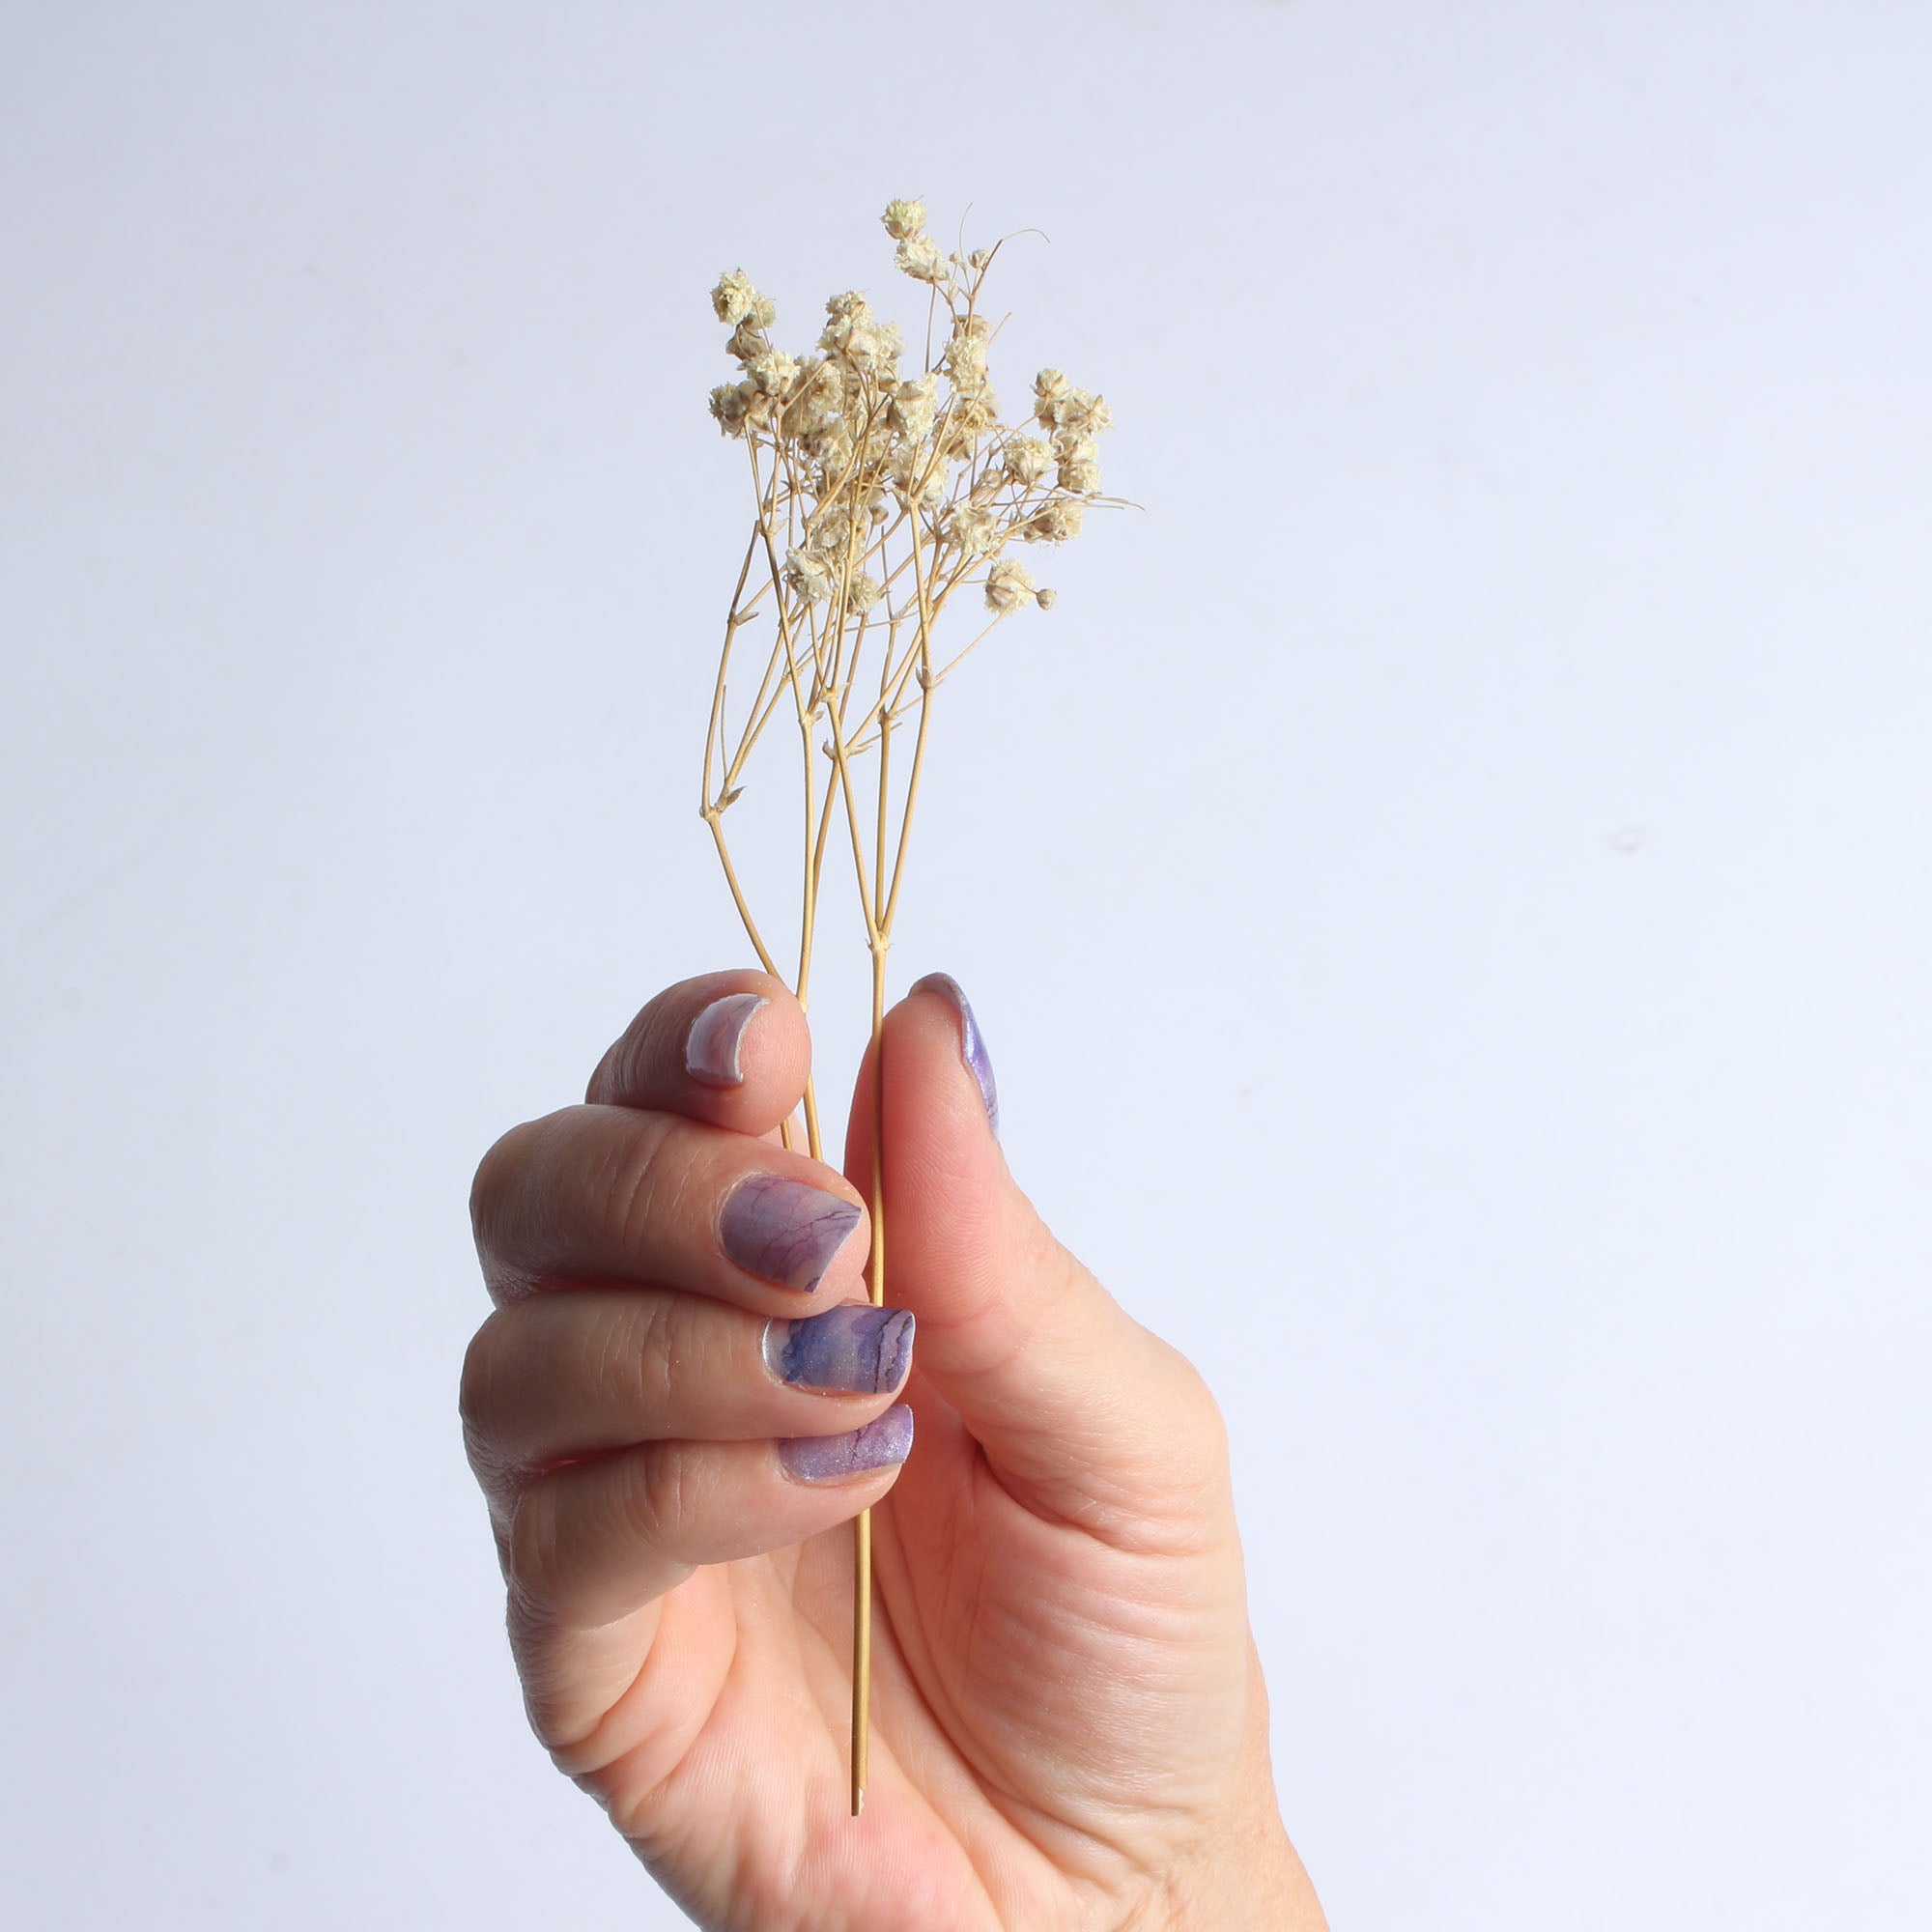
(862, 1547)
(925, 665)
(714, 818)
(837, 743)
(714, 738)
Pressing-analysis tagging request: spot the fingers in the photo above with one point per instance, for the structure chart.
(1081, 1412)
(604, 1194)
(730, 1048)
(561, 1376)
(598, 1540)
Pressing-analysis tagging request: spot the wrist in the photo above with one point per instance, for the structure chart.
(1248, 1879)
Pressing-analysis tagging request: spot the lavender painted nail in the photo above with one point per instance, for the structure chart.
(854, 1350)
(711, 1046)
(783, 1230)
(830, 1459)
(972, 1043)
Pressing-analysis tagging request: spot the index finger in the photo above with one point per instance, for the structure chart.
(732, 1049)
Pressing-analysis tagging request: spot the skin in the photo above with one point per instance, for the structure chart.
(1070, 1725)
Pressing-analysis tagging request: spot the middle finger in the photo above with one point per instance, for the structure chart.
(593, 1194)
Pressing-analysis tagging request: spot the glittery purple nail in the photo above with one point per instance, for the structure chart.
(830, 1459)
(854, 1350)
(972, 1043)
(711, 1046)
(783, 1230)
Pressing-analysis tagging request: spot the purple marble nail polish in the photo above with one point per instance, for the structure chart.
(830, 1459)
(783, 1230)
(711, 1046)
(856, 1349)
(972, 1043)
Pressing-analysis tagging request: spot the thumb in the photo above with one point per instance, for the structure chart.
(1083, 1415)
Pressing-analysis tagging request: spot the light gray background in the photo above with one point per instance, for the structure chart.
(1446, 890)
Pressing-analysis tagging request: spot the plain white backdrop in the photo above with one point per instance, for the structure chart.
(1446, 890)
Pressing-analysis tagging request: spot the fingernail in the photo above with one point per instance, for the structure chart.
(783, 1230)
(972, 1043)
(711, 1046)
(883, 1445)
(856, 1349)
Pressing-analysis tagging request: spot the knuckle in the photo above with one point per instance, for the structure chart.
(661, 1500)
(1198, 1447)
(642, 1183)
(1194, 1405)
(499, 1175)
(477, 1392)
(646, 1364)
(535, 1547)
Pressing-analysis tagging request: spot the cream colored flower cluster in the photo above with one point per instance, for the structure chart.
(880, 487)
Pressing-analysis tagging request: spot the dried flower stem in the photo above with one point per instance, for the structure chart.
(875, 496)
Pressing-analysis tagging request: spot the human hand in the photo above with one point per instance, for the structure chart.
(1068, 1723)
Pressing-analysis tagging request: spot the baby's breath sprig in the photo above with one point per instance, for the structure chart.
(881, 496)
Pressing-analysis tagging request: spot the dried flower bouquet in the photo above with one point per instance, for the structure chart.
(881, 498)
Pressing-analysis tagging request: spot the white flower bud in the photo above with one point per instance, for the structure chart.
(914, 405)
(1054, 522)
(734, 297)
(774, 372)
(973, 529)
(735, 301)
(864, 592)
(1083, 412)
(973, 415)
(808, 575)
(830, 532)
(903, 220)
(919, 257)
(1026, 460)
(1007, 587)
(1046, 599)
(832, 450)
(964, 359)
(1079, 464)
(728, 407)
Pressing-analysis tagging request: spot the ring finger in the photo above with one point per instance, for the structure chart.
(584, 1370)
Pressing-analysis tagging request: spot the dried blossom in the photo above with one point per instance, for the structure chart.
(913, 408)
(972, 417)
(774, 372)
(1008, 586)
(1026, 460)
(1079, 469)
(808, 575)
(728, 407)
(1056, 522)
(918, 256)
(736, 301)
(975, 530)
(868, 478)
